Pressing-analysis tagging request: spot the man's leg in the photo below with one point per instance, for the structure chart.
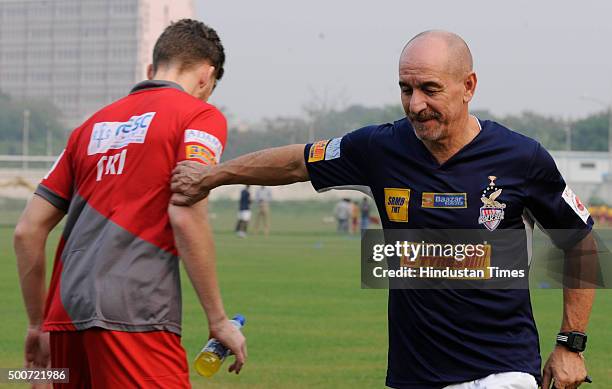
(68, 351)
(246, 217)
(257, 222)
(266, 218)
(136, 359)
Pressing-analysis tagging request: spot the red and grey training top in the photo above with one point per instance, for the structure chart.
(116, 265)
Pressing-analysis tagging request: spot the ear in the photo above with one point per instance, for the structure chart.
(150, 72)
(470, 87)
(207, 76)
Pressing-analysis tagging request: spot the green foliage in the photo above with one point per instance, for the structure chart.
(590, 133)
(547, 130)
(336, 123)
(44, 116)
(320, 124)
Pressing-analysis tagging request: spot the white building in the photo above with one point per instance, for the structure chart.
(588, 173)
(80, 54)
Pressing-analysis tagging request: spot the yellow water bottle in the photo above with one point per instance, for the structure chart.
(211, 357)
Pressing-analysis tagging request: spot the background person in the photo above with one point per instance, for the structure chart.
(342, 212)
(365, 213)
(244, 212)
(355, 214)
(263, 196)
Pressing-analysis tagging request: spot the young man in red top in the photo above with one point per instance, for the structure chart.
(114, 298)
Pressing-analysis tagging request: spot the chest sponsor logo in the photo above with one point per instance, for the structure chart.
(474, 258)
(205, 139)
(317, 151)
(201, 153)
(443, 200)
(574, 202)
(396, 204)
(492, 211)
(116, 135)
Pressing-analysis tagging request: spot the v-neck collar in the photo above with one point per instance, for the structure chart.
(434, 162)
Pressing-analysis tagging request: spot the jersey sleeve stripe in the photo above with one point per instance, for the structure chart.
(56, 200)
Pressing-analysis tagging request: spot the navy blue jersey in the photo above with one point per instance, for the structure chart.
(441, 337)
(245, 200)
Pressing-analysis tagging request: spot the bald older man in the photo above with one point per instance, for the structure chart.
(443, 168)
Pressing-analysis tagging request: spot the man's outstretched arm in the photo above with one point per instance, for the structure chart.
(193, 181)
(194, 241)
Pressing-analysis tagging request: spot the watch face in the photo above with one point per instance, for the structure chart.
(578, 342)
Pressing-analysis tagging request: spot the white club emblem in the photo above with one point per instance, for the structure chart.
(492, 211)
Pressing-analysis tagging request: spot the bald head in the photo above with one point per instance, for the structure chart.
(442, 49)
(437, 84)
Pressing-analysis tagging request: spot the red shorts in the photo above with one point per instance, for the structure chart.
(99, 358)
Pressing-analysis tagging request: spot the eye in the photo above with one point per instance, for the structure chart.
(406, 90)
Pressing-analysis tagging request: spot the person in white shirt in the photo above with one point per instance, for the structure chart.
(263, 195)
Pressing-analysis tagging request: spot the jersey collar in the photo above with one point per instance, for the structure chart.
(426, 154)
(155, 84)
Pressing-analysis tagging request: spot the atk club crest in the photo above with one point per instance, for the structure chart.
(492, 211)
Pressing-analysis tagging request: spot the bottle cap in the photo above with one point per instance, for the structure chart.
(240, 319)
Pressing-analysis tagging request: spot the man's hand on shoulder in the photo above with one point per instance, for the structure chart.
(565, 368)
(187, 183)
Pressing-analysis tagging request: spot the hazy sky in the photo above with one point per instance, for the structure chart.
(528, 55)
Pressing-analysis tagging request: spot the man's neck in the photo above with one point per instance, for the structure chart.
(460, 136)
(186, 81)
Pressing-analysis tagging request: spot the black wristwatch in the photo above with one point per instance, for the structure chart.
(574, 341)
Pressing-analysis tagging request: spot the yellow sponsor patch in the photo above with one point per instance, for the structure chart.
(201, 153)
(317, 151)
(440, 256)
(396, 204)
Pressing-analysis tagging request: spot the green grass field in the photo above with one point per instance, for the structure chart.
(309, 324)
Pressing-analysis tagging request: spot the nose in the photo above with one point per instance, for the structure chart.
(417, 102)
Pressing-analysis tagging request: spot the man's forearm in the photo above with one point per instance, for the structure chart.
(577, 304)
(194, 242)
(276, 166)
(30, 252)
(581, 269)
(37, 220)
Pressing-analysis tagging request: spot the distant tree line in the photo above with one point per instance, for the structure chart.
(589, 133)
